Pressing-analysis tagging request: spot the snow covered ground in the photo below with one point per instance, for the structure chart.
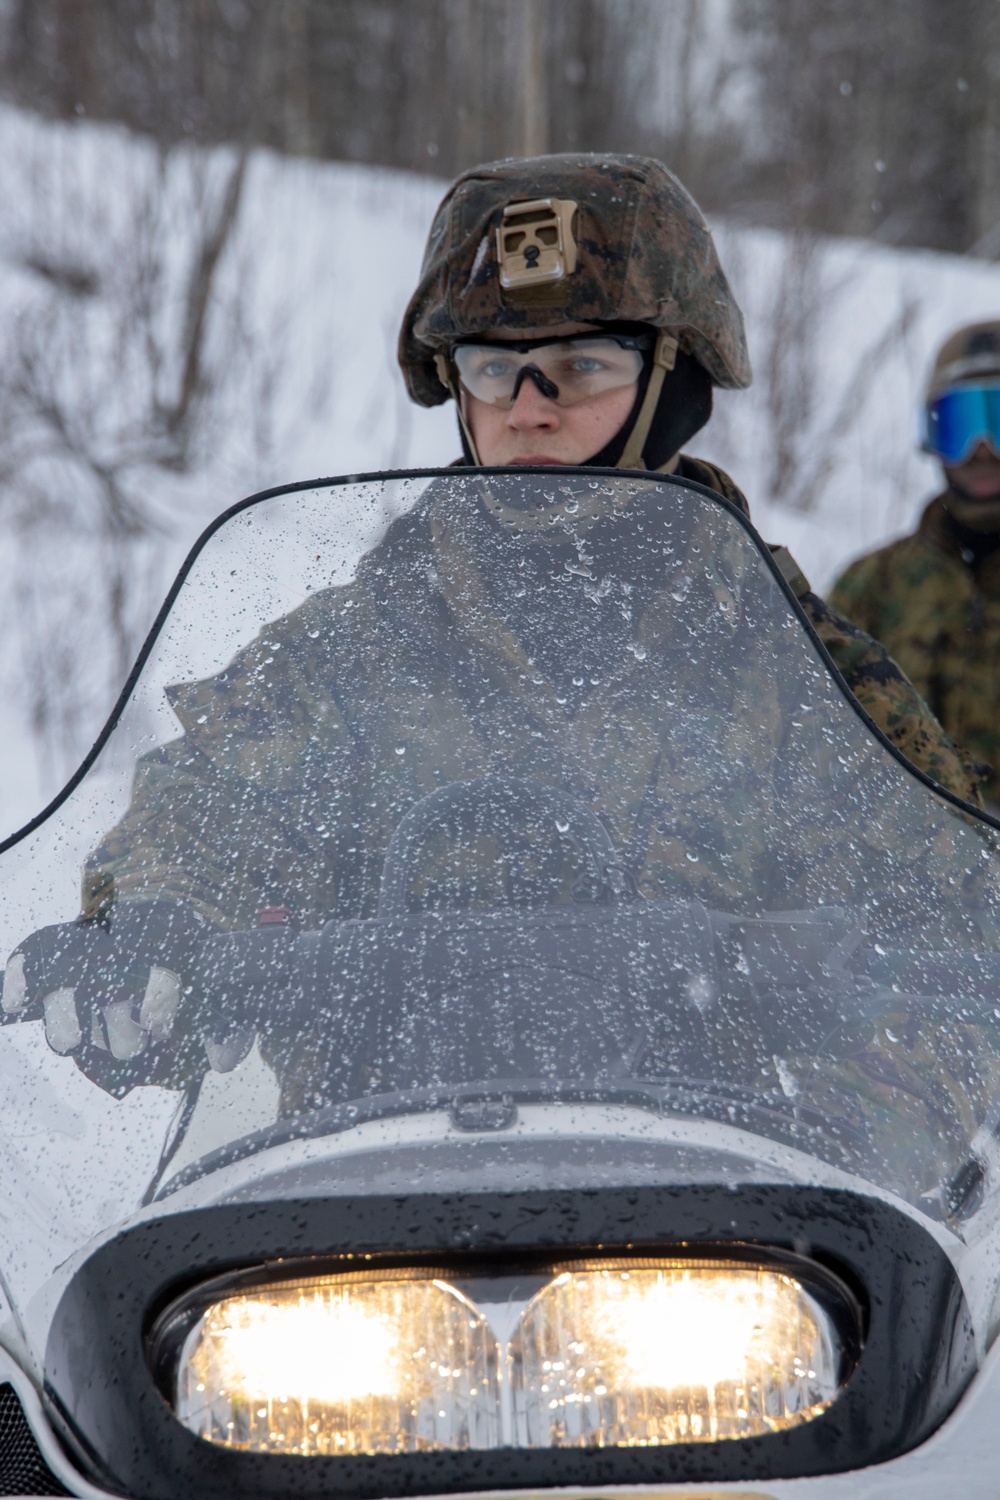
(296, 378)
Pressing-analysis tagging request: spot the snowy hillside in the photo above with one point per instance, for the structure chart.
(175, 334)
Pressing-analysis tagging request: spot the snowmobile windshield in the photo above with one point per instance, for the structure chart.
(497, 829)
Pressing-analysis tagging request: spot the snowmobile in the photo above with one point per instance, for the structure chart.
(526, 1029)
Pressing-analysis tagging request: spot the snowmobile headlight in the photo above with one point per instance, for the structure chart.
(651, 1352)
(373, 1363)
(598, 1353)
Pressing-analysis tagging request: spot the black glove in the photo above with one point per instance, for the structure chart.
(112, 986)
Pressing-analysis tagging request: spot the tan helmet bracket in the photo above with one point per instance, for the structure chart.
(536, 245)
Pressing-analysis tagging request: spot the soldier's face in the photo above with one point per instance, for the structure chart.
(979, 475)
(536, 430)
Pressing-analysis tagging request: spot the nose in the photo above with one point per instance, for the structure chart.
(531, 411)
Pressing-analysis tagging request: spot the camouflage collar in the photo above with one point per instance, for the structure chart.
(570, 507)
(575, 508)
(713, 478)
(934, 526)
(981, 572)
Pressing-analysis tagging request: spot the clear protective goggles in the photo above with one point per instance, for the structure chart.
(567, 370)
(958, 418)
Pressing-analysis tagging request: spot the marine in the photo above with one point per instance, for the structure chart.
(669, 283)
(933, 597)
(575, 310)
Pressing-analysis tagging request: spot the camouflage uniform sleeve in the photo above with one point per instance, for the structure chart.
(890, 698)
(713, 478)
(225, 816)
(197, 833)
(879, 684)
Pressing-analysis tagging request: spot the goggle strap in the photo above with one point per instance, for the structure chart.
(664, 359)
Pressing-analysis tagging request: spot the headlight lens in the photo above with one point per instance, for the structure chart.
(604, 1353)
(650, 1353)
(342, 1364)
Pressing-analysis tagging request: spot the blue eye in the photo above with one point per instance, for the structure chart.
(586, 364)
(495, 369)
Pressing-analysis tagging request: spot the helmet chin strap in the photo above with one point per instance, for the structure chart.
(446, 378)
(664, 359)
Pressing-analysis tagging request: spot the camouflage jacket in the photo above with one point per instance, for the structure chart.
(299, 760)
(363, 701)
(940, 619)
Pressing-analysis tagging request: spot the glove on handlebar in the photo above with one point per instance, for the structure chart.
(114, 985)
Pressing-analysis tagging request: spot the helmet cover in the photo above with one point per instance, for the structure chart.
(537, 242)
(970, 353)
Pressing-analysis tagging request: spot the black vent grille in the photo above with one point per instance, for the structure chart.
(23, 1470)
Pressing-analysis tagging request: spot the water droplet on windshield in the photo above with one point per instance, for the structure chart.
(789, 1083)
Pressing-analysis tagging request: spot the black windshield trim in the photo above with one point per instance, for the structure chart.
(451, 472)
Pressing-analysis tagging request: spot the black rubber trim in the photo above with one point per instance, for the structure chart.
(451, 473)
(916, 1359)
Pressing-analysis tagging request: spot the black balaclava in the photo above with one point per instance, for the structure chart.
(976, 543)
(684, 407)
(974, 523)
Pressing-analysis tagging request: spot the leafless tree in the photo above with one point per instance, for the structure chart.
(811, 388)
(877, 120)
(109, 377)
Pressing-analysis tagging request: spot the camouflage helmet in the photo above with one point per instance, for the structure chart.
(576, 238)
(968, 354)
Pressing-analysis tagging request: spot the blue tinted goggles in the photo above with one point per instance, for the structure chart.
(957, 419)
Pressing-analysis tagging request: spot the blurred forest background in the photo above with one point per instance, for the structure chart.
(844, 116)
(214, 211)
